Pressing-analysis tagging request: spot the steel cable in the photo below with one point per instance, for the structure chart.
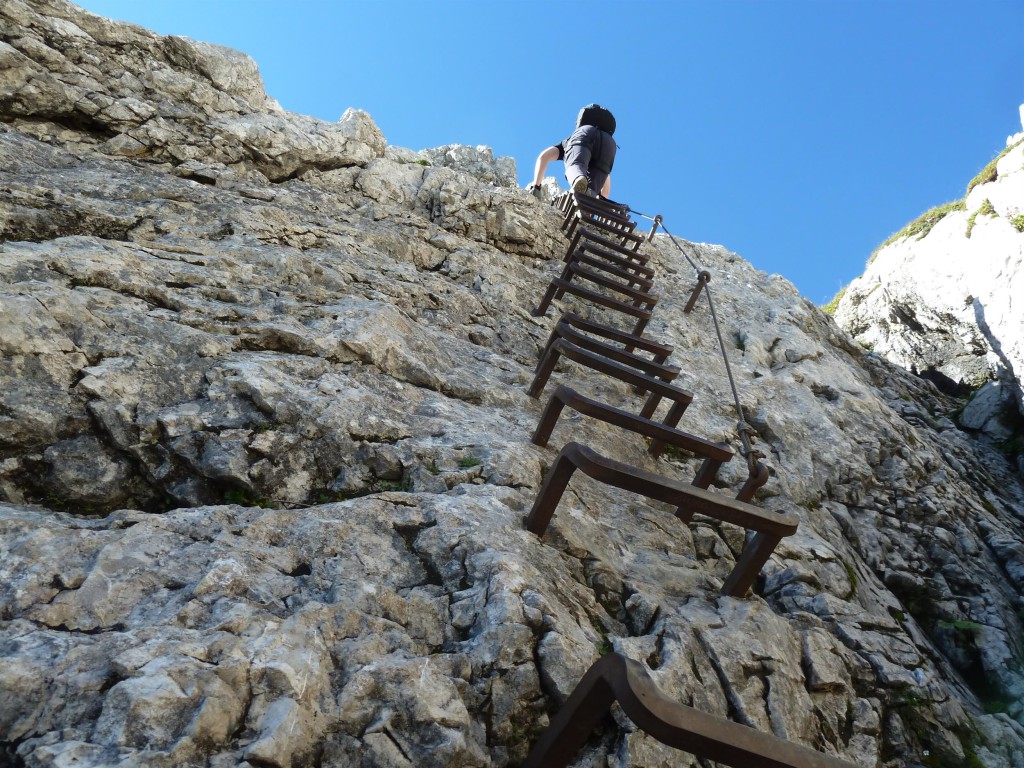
(742, 428)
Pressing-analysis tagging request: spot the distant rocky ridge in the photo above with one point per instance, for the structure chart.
(264, 460)
(944, 299)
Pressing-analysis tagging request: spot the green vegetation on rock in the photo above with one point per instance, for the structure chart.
(986, 209)
(989, 172)
(922, 225)
(832, 306)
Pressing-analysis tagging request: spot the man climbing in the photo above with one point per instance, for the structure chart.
(588, 154)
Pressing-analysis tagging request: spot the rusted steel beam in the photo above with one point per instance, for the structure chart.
(615, 235)
(561, 287)
(558, 287)
(613, 228)
(632, 340)
(658, 389)
(660, 352)
(770, 526)
(585, 206)
(639, 328)
(607, 243)
(659, 369)
(714, 454)
(634, 275)
(641, 298)
(758, 476)
(600, 203)
(589, 214)
(633, 360)
(572, 220)
(609, 205)
(703, 278)
(620, 268)
(633, 266)
(615, 678)
(573, 327)
(757, 473)
(755, 554)
(654, 228)
(586, 214)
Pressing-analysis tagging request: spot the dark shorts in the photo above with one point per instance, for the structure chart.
(588, 152)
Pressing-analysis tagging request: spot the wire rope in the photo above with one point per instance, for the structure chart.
(742, 427)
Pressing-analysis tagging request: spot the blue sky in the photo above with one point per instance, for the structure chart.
(798, 133)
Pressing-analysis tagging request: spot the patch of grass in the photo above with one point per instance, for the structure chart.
(469, 461)
(989, 172)
(423, 161)
(381, 486)
(970, 626)
(999, 706)
(671, 452)
(432, 467)
(52, 501)
(971, 759)
(945, 760)
(985, 209)
(922, 225)
(993, 697)
(832, 306)
(376, 485)
(909, 698)
(604, 645)
(1011, 447)
(867, 345)
(244, 498)
(851, 574)
(326, 496)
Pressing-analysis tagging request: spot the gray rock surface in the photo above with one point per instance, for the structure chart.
(476, 161)
(265, 459)
(945, 303)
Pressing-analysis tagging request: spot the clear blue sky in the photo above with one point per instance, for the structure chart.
(799, 133)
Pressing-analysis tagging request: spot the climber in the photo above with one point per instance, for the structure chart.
(588, 154)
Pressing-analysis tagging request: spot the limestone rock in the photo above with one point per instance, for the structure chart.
(265, 458)
(988, 411)
(478, 162)
(943, 304)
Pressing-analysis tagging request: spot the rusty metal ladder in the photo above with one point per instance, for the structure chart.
(635, 359)
(769, 527)
(603, 241)
(604, 252)
(614, 678)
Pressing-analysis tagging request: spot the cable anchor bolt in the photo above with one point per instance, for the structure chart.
(703, 278)
(654, 227)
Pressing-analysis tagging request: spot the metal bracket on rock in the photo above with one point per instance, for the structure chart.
(616, 678)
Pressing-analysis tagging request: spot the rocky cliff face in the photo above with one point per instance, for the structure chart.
(944, 299)
(265, 458)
